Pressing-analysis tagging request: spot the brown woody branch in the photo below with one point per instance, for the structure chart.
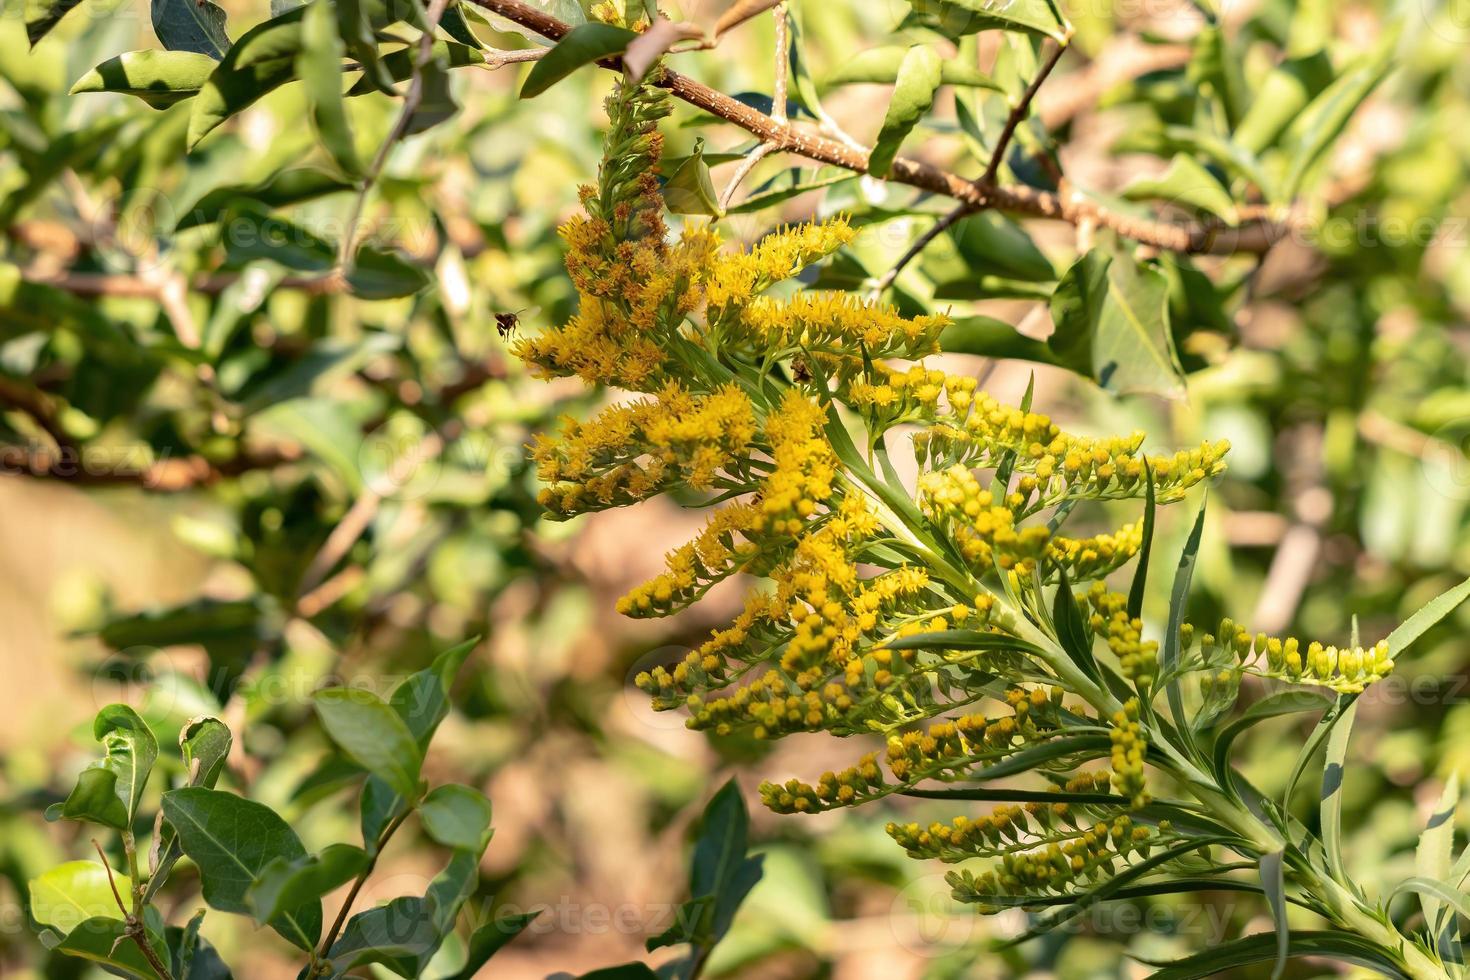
(1072, 207)
(102, 468)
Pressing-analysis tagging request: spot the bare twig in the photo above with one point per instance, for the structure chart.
(106, 468)
(978, 196)
(412, 99)
(1019, 112)
(778, 111)
(922, 242)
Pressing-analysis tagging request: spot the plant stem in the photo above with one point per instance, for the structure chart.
(357, 884)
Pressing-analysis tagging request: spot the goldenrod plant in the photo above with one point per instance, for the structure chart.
(946, 607)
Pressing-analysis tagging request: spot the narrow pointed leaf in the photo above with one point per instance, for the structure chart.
(582, 45)
(919, 77)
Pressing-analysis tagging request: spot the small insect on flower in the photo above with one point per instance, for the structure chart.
(506, 323)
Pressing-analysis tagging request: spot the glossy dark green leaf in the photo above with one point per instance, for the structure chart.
(404, 934)
(583, 45)
(490, 938)
(1071, 630)
(233, 840)
(104, 941)
(319, 65)
(919, 77)
(190, 25)
(992, 244)
(284, 884)
(263, 59)
(204, 744)
(457, 816)
(372, 734)
(94, 799)
(109, 791)
(292, 186)
(1139, 587)
(159, 78)
(191, 955)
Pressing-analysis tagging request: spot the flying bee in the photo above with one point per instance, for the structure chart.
(800, 373)
(506, 323)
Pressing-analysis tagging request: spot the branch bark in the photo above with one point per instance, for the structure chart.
(1074, 208)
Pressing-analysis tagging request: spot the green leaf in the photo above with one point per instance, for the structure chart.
(1140, 575)
(457, 816)
(1185, 182)
(159, 78)
(319, 65)
(193, 958)
(405, 934)
(1433, 855)
(993, 244)
(93, 799)
(204, 744)
(919, 77)
(880, 66)
(490, 938)
(1271, 706)
(1333, 772)
(398, 66)
(191, 25)
(1071, 631)
(1178, 607)
(791, 183)
(356, 29)
(104, 941)
(71, 893)
(233, 840)
(961, 640)
(1314, 741)
(582, 45)
(1313, 132)
(42, 15)
(263, 59)
(1281, 97)
(373, 734)
(457, 26)
(960, 17)
(690, 189)
(1438, 890)
(108, 791)
(1214, 67)
(988, 337)
(1428, 615)
(422, 701)
(282, 189)
(290, 883)
(1273, 883)
(1262, 948)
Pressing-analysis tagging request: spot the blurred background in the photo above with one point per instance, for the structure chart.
(372, 504)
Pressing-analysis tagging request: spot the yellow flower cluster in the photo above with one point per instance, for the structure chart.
(1138, 658)
(1347, 670)
(836, 324)
(968, 742)
(979, 431)
(736, 278)
(1128, 749)
(634, 451)
(1059, 867)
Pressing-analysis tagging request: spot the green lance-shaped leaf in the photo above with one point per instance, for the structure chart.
(1431, 613)
(1282, 95)
(233, 840)
(720, 878)
(319, 64)
(987, 336)
(1333, 773)
(1433, 856)
(919, 77)
(1071, 630)
(263, 59)
(371, 732)
(1178, 606)
(490, 939)
(71, 893)
(290, 883)
(1313, 132)
(1040, 18)
(191, 25)
(1271, 706)
(582, 45)
(690, 189)
(42, 15)
(457, 816)
(791, 183)
(109, 790)
(1261, 948)
(1185, 182)
(159, 78)
(1140, 575)
(192, 956)
(1273, 884)
(880, 66)
(204, 744)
